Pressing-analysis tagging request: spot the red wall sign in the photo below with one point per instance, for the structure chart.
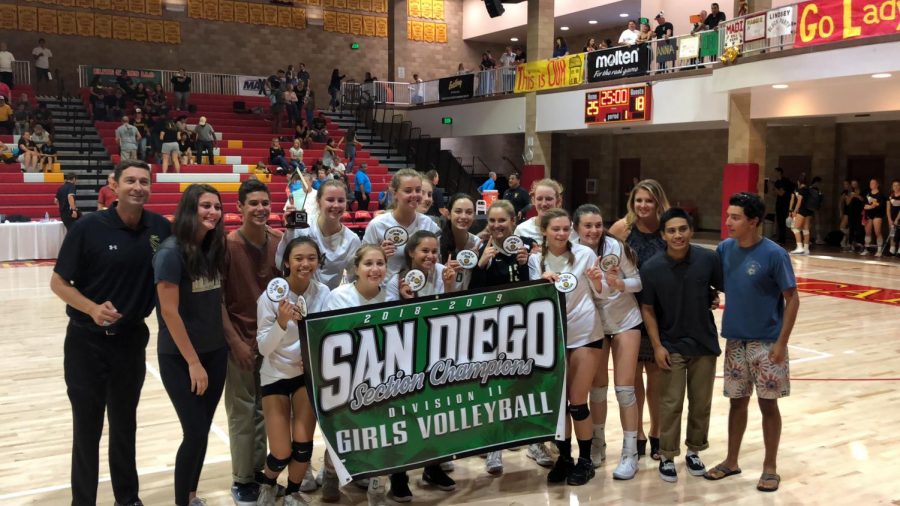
(823, 21)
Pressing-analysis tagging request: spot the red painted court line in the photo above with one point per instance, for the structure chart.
(26, 263)
(849, 291)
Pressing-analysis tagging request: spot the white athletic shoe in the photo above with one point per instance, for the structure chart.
(375, 493)
(266, 495)
(448, 466)
(538, 453)
(494, 464)
(627, 468)
(598, 451)
(197, 502)
(805, 250)
(296, 499)
(797, 251)
(310, 482)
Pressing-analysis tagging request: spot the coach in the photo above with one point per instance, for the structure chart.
(104, 274)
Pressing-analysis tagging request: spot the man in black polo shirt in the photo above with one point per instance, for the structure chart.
(104, 274)
(65, 200)
(517, 195)
(675, 304)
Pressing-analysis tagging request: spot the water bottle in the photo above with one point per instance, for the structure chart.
(46, 217)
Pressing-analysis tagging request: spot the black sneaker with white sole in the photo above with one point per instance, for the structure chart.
(667, 470)
(695, 465)
(400, 491)
(560, 471)
(581, 473)
(434, 475)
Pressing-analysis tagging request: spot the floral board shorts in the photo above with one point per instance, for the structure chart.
(747, 366)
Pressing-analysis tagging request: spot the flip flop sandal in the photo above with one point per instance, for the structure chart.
(721, 469)
(768, 477)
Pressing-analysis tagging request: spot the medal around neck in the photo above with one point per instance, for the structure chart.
(467, 259)
(415, 279)
(608, 262)
(397, 235)
(512, 244)
(278, 290)
(566, 282)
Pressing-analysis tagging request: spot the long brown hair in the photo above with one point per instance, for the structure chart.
(592, 209)
(656, 191)
(544, 222)
(206, 260)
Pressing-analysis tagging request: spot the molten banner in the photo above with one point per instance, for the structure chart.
(550, 74)
(824, 21)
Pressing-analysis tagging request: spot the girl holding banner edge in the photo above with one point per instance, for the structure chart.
(289, 416)
(622, 320)
(574, 270)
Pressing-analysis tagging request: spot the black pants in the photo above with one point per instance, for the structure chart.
(207, 147)
(104, 373)
(781, 214)
(195, 412)
(7, 78)
(362, 201)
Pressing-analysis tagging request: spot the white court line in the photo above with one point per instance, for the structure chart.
(819, 355)
(853, 260)
(214, 428)
(104, 479)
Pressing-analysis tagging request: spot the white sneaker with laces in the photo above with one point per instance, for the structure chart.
(266, 495)
(296, 499)
(538, 453)
(627, 468)
(309, 483)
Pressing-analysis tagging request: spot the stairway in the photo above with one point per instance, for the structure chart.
(372, 142)
(79, 148)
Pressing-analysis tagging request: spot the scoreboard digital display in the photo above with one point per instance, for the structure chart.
(617, 105)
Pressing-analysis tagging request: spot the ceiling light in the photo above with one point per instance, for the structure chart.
(883, 75)
(514, 39)
(779, 86)
(564, 28)
(623, 15)
(592, 22)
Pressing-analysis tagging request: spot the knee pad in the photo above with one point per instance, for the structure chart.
(276, 464)
(302, 452)
(579, 412)
(598, 394)
(795, 230)
(625, 396)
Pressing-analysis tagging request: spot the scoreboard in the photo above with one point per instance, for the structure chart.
(617, 105)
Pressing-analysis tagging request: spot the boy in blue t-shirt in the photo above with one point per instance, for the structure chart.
(761, 308)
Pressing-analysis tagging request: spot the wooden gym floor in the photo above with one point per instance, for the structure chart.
(839, 442)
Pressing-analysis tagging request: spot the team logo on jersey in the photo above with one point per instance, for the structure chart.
(753, 268)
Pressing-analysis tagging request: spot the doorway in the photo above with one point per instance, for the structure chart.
(580, 173)
(629, 172)
(864, 168)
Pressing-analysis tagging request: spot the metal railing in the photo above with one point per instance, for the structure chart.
(201, 82)
(21, 71)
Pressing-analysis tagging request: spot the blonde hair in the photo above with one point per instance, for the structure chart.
(505, 205)
(656, 191)
(361, 252)
(549, 183)
(395, 182)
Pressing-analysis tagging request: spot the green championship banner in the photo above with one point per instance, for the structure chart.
(108, 75)
(400, 385)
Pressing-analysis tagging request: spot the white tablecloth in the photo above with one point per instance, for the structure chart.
(31, 241)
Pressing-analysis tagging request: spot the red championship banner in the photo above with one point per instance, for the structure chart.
(824, 21)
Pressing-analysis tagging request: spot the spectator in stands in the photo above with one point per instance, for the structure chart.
(517, 196)
(385, 199)
(276, 100)
(43, 117)
(181, 84)
(663, 31)
(303, 74)
(297, 155)
(126, 83)
(362, 187)
(417, 90)
(116, 104)
(41, 55)
(520, 55)
(7, 119)
(168, 137)
(350, 144)
(5, 91)
(206, 140)
(29, 156)
(645, 35)
(303, 133)
(743, 8)
(186, 142)
(437, 206)
(6, 153)
(334, 87)
(486, 79)
(290, 77)
(22, 114)
(629, 36)
(127, 137)
(319, 129)
(322, 174)
(98, 93)
(309, 104)
(140, 123)
(39, 136)
(107, 194)
(560, 48)
(490, 184)
(591, 45)
(65, 199)
(141, 96)
(700, 25)
(461, 70)
(48, 155)
(291, 105)
(181, 124)
(508, 62)
(330, 156)
(158, 101)
(156, 124)
(715, 17)
(276, 157)
(6, 63)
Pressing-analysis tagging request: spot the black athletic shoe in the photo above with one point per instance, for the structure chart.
(434, 475)
(695, 466)
(654, 448)
(560, 470)
(667, 471)
(641, 447)
(581, 473)
(400, 487)
(245, 494)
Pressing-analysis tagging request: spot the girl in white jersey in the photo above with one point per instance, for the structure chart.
(337, 242)
(392, 230)
(574, 270)
(622, 325)
(369, 264)
(421, 253)
(290, 420)
(545, 194)
(455, 237)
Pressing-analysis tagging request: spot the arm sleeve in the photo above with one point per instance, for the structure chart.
(783, 271)
(371, 237)
(633, 283)
(534, 267)
(167, 266)
(392, 288)
(269, 334)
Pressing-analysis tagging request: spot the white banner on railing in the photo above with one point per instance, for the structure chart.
(249, 86)
(779, 22)
(688, 47)
(734, 33)
(755, 28)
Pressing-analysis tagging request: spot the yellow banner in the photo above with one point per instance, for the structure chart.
(85, 4)
(440, 33)
(437, 9)
(314, 3)
(330, 21)
(550, 74)
(285, 17)
(414, 9)
(120, 5)
(356, 24)
(121, 28)
(64, 3)
(138, 29)
(172, 30)
(328, 4)
(270, 14)
(195, 9)
(365, 5)
(368, 26)
(211, 10)
(426, 11)
(381, 27)
(256, 13)
(353, 5)
(154, 7)
(103, 5)
(47, 20)
(340, 4)
(9, 19)
(67, 23)
(155, 31)
(242, 12)
(428, 31)
(226, 10)
(85, 23)
(343, 22)
(416, 30)
(28, 18)
(137, 6)
(299, 18)
(103, 26)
